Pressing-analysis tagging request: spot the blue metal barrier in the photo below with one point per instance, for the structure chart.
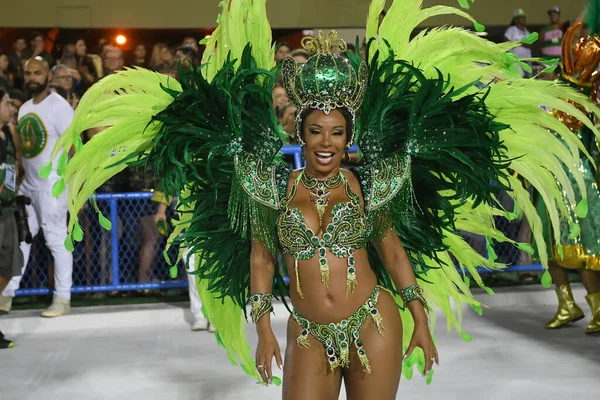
(107, 260)
(110, 261)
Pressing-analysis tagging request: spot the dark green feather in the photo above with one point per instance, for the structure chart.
(454, 145)
(202, 131)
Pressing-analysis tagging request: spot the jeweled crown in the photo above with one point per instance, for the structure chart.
(326, 81)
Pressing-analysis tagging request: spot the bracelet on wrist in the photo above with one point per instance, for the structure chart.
(260, 304)
(412, 293)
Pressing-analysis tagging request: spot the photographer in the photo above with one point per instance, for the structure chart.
(11, 258)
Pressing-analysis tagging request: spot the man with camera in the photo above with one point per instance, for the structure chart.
(42, 121)
(11, 258)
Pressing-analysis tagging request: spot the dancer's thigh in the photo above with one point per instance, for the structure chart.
(306, 374)
(384, 353)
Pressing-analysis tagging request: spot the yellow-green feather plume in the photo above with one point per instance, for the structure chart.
(124, 103)
(240, 22)
(536, 145)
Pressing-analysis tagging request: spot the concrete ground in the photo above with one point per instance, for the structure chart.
(149, 352)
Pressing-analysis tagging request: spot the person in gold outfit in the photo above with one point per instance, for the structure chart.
(580, 238)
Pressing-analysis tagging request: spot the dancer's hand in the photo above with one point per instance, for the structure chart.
(422, 338)
(265, 351)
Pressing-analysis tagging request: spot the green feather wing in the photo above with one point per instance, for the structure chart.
(450, 138)
(124, 103)
(450, 80)
(434, 162)
(200, 136)
(216, 150)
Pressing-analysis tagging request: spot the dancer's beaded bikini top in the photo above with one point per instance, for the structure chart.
(346, 233)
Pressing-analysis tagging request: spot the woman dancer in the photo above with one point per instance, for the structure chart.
(432, 144)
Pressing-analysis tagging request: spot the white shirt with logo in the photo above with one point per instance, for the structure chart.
(40, 127)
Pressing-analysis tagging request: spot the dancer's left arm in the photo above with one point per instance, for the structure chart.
(397, 264)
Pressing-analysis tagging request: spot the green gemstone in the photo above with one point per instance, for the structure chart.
(330, 229)
(355, 334)
(304, 332)
(323, 261)
(361, 352)
(332, 325)
(351, 270)
(315, 241)
(351, 260)
(373, 312)
(343, 345)
(327, 236)
(322, 252)
(341, 336)
(328, 343)
(336, 220)
(309, 232)
(330, 351)
(359, 343)
(320, 192)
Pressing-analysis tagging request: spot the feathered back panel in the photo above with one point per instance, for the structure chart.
(191, 133)
(451, 80)
(453, 143)
(460, 58)
(125, 103)
(208, 124)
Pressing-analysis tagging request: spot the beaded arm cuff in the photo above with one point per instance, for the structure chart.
(412, 293)
(260, 304)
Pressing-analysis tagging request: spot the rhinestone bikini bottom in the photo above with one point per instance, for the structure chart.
(338, 337)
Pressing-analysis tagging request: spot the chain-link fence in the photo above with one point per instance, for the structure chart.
(130, 256)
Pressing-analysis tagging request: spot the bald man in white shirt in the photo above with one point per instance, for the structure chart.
(42, 121)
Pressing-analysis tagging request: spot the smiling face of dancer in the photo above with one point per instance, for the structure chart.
(326, 136)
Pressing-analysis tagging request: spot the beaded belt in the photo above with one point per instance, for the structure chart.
(337, 337)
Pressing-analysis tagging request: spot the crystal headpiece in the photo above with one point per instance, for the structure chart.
(326, 81)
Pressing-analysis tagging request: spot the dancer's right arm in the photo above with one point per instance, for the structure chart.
(262, 270)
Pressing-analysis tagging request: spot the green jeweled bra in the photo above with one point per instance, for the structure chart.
(346, 233)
